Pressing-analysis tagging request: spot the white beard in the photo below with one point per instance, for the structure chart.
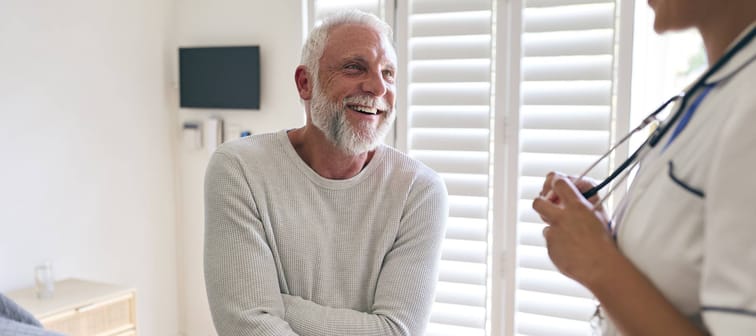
(330, 118)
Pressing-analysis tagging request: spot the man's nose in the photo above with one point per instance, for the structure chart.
(375, 84)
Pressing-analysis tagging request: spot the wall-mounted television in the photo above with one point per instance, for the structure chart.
(220, 77)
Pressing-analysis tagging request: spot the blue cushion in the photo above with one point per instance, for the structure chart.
(16, 321)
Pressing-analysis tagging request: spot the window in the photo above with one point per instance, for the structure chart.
(663, 65)
(492, 95)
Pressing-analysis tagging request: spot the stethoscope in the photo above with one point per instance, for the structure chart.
(663, 129)
(654, 139)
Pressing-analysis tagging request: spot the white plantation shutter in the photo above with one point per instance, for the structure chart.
(444, 95)
(566, 113)
(448, 55)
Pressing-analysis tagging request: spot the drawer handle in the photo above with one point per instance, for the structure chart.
(84, 309)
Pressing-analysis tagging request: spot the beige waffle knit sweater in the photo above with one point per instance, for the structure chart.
(288, 252)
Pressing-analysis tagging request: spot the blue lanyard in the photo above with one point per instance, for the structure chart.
(689, 113)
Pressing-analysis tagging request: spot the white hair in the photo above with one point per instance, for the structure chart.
(315, 44)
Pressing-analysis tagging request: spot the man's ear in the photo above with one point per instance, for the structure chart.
(304, 83)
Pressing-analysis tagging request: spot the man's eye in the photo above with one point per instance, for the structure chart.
(388, 75)
(355, 67)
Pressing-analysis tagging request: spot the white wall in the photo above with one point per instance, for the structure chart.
(92, 176)
(276, 27)
(87, 167)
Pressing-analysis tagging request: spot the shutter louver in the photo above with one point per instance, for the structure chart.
(565, 118)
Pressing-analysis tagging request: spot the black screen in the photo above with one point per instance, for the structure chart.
(220, 77)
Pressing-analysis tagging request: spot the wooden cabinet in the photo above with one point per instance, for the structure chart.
(83, 308)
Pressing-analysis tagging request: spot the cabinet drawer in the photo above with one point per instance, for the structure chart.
(108, 317)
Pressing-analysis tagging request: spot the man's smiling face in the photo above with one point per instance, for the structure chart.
(353, 95)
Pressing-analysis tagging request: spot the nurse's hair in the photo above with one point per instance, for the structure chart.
(314, 46)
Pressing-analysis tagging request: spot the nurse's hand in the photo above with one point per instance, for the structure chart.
(583, 184)
(576, 235)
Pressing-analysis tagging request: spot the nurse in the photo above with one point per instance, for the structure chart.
(680, 256)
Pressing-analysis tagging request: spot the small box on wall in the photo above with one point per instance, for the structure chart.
(220, 77)
(213, 134)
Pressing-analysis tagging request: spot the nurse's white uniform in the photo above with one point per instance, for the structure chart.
(689, 220)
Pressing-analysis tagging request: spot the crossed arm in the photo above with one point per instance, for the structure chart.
(247, 289)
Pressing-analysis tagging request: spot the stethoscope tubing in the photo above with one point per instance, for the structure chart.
(659, 133)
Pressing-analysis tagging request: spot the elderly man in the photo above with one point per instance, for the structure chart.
(322, 230)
